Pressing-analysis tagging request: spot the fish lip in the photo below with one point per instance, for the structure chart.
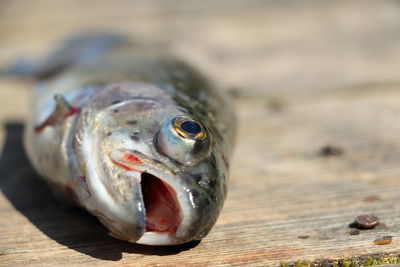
(142, 163)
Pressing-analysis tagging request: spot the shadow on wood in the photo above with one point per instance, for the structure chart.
(69, 226)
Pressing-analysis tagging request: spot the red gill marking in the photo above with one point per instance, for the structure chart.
(132, 158)
(51, 120)
(126, 167)
(71, 112)
(40, 128)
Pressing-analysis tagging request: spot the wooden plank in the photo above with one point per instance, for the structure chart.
(308, 74)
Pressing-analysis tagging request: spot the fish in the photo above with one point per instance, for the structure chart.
(134, 135)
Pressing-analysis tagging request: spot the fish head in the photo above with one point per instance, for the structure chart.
(155, 174)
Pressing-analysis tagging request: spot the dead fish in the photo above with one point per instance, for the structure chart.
(140, 140)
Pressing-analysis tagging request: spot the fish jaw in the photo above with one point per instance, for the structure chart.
(177, 209)
(167, 210)
(148, 206)
(121, 213)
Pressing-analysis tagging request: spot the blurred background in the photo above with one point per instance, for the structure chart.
(257, 45)
(306, 76)
(260, 45)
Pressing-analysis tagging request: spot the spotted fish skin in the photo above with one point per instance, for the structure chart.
(105, 133)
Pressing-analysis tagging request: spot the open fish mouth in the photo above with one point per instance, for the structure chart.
(163, 212)
(162, 208)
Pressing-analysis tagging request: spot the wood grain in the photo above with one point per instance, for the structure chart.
(307, 74)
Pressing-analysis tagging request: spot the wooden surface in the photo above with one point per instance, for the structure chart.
(307, 74)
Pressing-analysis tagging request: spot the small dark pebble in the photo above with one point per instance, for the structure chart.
(354, 232)
(330, 150)
(366, 221)
(303, 236)
(384, 240)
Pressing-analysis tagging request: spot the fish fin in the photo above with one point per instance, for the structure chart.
(83, 49)
(61, 111)
(62, 105)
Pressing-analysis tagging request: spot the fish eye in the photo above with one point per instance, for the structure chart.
(184, 140)
(188, 128)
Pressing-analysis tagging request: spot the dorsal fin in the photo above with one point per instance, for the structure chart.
(62, 105)
(61, 111)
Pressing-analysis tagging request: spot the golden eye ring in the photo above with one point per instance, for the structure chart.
(189, 128)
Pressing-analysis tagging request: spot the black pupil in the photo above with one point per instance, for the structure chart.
(191, 127)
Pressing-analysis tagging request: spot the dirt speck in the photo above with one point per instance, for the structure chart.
(354, 232)
(275, 105)
(384, 240)
(331, 150)
(235, 92)
(303, 236)
(371, 198)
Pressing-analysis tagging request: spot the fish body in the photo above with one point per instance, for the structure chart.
(141, 141)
